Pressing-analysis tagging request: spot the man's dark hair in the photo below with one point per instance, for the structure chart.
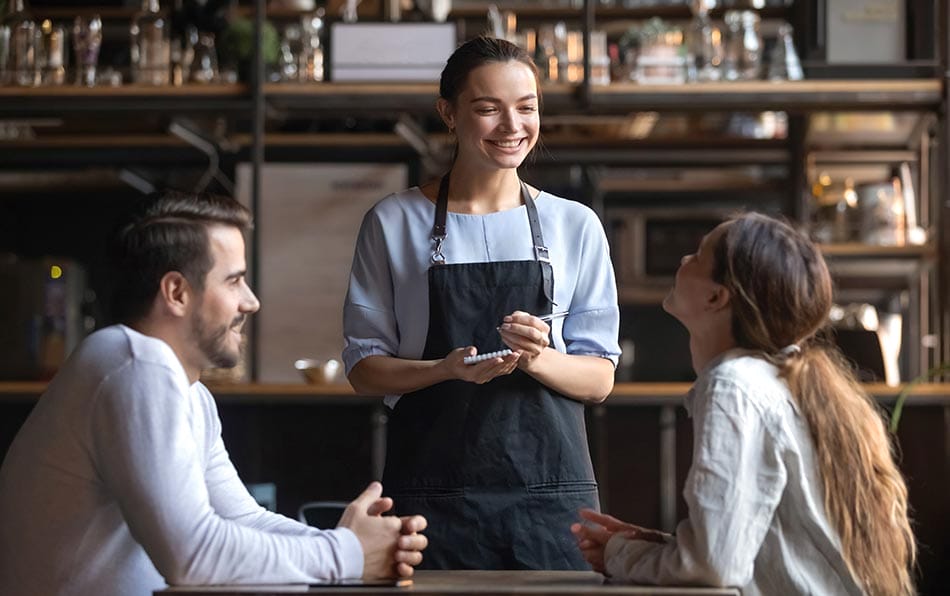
(169, 232)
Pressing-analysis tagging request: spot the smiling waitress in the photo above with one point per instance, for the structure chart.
(494, 454)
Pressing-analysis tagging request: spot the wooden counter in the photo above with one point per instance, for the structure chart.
(481, 583)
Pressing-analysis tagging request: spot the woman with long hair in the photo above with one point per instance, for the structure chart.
(494, 453)
(793, 487)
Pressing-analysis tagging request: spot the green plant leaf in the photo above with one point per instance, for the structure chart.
(905, 392)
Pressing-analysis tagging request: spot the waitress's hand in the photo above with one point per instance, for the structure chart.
(480, 372)
(525, 334)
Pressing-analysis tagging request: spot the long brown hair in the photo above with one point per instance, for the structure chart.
(478, 52)
(782, 293)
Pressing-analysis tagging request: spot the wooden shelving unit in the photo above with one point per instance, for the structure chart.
(623, 395)
(614, 98)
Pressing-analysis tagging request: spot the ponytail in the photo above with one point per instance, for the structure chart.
(864, 494)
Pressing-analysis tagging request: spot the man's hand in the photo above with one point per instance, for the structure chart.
(391, 545)
(410, 545)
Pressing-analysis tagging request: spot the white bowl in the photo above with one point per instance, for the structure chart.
(318, 372)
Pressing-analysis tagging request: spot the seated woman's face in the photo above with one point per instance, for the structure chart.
(694, 293)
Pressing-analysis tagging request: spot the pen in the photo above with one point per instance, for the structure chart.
(548, 318)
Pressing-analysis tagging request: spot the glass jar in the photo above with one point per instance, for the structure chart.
(150, 45)
(87, 39)
(18, 46)
(743, 55)
(204, 64)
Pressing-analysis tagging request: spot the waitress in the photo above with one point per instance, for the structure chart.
(495, 453)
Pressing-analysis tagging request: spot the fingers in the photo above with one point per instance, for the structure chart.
(413, 523)
(526, 334)
(409, 547)
(483, 372)
(369, 496)
(597, 534)
(412, 542)
(608, 521)
(409, 557)
(592, 551)
(380, 506)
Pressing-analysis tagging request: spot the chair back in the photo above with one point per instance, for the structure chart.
(321, 514)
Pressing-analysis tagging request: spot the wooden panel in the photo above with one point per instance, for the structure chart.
(309, 217)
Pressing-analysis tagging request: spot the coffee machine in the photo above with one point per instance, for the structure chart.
(42, 315)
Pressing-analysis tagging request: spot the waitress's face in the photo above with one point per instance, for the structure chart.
(496, 116)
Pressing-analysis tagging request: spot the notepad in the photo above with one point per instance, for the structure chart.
(484, 357)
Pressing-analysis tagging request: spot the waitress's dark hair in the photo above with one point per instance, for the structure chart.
(477, 52)
(167, 232)
(781, 296)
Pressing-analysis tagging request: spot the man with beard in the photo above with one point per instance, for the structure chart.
(119, 481)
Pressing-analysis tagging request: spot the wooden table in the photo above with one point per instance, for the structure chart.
(480, 583)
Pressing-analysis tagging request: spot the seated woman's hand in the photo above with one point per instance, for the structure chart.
(628, 530)
(592, 540)
(480, 372)
(592, 536)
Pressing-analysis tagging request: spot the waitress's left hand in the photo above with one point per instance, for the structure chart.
(526, 334)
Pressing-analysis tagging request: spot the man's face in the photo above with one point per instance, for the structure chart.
(225, 302)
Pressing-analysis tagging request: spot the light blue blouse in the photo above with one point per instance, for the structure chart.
(387, 305)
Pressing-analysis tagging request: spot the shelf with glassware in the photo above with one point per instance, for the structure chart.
(640, 11)
(618, 98)
(96, 46)
(922, 94)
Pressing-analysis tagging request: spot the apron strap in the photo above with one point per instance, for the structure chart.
(541, 253)
(438, 230)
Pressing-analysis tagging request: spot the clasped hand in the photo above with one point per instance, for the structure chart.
(592, 537)
(392, 546)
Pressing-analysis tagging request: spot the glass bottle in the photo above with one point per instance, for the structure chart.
(785, 65)
(703, 44)
(204, 65)
(743, 58)
(150, 45)
(18, 46)
(87, 39)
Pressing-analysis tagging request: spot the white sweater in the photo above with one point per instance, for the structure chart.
(119, 482)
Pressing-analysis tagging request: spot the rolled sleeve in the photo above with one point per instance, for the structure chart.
(593, 326)
(368, 332)
(350, 552)
(593, 333)
(369, 321)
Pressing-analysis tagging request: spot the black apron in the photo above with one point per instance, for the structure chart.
(499, 469)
